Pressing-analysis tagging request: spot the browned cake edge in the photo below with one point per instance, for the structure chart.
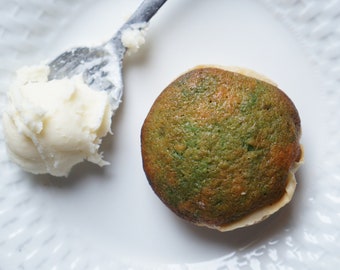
(265, 212)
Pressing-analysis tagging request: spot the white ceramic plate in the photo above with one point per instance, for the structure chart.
(109, 218)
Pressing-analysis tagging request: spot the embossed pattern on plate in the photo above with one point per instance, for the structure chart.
(33, 238)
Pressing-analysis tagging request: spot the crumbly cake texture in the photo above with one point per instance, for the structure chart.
(218, 146)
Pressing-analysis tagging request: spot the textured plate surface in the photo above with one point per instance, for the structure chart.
(109, 218)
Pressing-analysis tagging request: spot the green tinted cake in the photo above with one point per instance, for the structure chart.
(219, 146)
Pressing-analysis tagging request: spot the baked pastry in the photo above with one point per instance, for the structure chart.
(220, 148)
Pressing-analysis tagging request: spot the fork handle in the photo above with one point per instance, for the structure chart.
(145, 11)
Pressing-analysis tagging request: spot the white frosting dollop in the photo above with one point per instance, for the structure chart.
(50, 126)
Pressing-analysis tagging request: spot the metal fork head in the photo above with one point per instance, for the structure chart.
(100, 67)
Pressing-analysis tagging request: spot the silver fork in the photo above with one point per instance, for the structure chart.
(101, 66)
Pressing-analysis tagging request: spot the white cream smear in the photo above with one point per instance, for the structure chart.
(134, 37)
(50, 126)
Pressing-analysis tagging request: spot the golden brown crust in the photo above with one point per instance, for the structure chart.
(218, 146)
